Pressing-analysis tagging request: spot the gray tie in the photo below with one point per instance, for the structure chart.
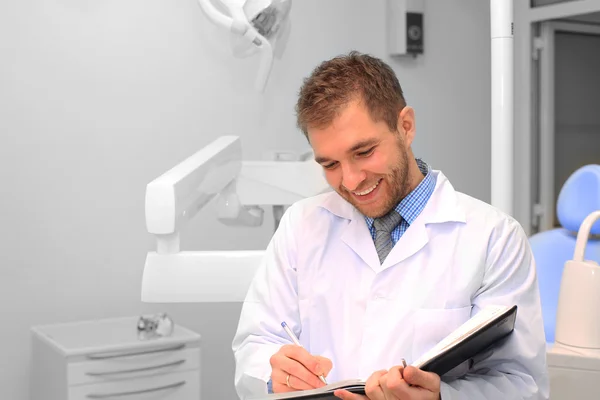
(383, 233)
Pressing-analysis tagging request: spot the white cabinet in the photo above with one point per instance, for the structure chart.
(104, 359)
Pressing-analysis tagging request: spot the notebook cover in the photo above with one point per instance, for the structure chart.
(497, 329)
(326, 396)
(311, 395)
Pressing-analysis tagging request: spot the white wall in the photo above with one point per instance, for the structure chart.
(97, 98)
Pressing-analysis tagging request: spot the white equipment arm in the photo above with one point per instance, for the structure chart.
(239, 187)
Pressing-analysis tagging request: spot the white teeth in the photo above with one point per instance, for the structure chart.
(369, 190)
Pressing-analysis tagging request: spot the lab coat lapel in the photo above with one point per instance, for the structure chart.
(442, 207)
(356, 234)
(359, 239)
(413, 240)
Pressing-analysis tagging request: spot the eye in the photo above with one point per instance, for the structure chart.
(366, 153)
(330, 165)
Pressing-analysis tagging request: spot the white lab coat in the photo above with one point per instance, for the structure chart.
(321, 275)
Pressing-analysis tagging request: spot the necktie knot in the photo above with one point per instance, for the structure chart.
(383, 233)
(388, 222)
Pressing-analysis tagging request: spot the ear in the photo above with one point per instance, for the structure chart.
(406, 125)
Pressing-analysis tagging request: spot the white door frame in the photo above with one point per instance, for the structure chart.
(546, 44)
(527, 20)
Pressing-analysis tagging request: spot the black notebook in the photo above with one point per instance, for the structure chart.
(478, 334)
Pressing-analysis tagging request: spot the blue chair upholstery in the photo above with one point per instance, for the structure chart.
(579, 196)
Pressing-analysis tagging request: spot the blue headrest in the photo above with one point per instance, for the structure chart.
(579, 197)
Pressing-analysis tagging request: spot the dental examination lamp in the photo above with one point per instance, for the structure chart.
(258, 26)
(238, 188)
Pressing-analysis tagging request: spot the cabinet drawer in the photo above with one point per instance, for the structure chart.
(175, 386)
(128, 365)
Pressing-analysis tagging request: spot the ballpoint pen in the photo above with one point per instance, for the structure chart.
(404, 365)
(297, 342)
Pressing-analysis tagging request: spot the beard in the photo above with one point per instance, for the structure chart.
(394, 187)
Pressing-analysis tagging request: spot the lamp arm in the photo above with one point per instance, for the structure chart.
(237, 24)
(219, 18)
(583, 234)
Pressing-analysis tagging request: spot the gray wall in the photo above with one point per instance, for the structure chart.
(577, 95)
(97, 98)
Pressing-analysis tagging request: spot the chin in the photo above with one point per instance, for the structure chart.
(371, 210)
(371, 213)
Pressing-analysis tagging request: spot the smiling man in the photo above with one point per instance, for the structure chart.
(386, 265)
(367, 167)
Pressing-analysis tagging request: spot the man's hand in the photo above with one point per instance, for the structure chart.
(302, 367)
(398, 383)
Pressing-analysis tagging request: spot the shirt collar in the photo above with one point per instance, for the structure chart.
(411, 206)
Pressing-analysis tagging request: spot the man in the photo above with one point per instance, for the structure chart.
(386, 265)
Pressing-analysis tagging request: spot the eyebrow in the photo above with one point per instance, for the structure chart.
(359, 145)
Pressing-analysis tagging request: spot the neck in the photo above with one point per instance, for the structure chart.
(415, 176)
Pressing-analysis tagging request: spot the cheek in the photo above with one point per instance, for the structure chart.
(377, 164)
(333, 177)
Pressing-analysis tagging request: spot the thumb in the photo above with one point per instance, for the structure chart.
(417, 377)
(325, 363)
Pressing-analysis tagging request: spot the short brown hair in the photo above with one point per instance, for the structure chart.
(336, 82)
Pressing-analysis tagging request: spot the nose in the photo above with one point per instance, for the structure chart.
(352, 176)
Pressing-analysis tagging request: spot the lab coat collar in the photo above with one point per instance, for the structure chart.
(443, 206)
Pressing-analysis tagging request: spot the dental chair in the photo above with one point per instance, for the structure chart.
(579, 196)
(574, 370)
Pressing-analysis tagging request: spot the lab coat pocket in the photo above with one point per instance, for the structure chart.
(434, 324)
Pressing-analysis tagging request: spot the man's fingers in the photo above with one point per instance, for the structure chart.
(325, 364)
(295, 368)
(304, 369)
(281, 388)
(417, 377)
(393, 384)
(346, 395)
(309, 363)
(373, 389)
(280, 376)
(374, 378)
(301, 355)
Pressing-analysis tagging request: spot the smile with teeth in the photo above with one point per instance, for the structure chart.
(369, 190)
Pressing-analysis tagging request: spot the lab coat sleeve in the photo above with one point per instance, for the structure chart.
(271, 299)
(517, 368)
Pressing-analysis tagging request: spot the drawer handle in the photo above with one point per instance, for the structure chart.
(156, 389)
(117, 355)
(127, 371)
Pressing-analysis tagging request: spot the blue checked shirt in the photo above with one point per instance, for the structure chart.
(411, 206)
